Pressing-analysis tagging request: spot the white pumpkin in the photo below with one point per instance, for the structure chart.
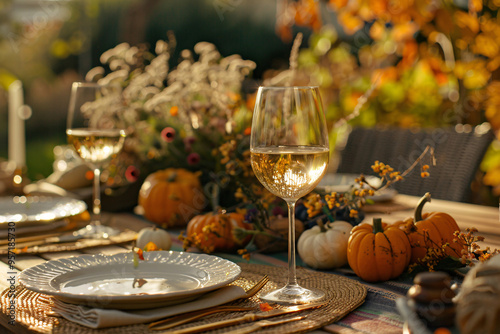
(159, 237)
(325, 246)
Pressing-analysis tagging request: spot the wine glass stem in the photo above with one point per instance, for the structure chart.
(292, 277)
(96, 198)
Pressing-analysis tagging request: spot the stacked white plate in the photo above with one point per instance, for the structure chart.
(36, 213)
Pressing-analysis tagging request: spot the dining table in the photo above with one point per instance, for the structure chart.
(374, 309)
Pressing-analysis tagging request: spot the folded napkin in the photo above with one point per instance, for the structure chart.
(102, 318)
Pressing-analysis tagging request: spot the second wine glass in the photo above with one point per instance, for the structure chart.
(97, 138)
(289, 155)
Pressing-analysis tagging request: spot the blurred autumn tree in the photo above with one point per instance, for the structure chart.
(428, 63)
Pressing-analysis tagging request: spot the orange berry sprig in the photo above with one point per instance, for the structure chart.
(356, 198)
(473, 250)
(389, 176)
(424, 173)
(432, 258)
(436, 253)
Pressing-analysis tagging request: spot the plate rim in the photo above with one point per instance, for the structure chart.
(387, 193)
(29, 276)
(79, 206)
(351, 176)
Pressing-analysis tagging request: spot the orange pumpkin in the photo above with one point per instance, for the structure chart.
(432, 230)
(215, 231)
(379, 252)
(171, 197)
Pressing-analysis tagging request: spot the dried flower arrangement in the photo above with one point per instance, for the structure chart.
(192, 116)
(437, 256)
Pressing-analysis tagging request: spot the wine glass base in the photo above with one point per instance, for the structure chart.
(92, 231)
(293, 294)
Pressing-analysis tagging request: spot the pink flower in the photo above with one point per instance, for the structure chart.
(132, 173)
(188, 141)
(193, 158)
(168, 134)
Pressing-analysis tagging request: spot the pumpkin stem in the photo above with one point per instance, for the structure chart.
(172, 176)
(418, 210)
(321, 226)
(377, 225)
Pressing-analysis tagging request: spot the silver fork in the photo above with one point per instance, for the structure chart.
(185, 318)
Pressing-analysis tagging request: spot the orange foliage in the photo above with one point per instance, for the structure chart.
(458, 47)
(351, 23)
(455, 42)
(307, 14)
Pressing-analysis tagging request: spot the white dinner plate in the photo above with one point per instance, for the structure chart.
(36, 210)
(111, 281)
(343, 182)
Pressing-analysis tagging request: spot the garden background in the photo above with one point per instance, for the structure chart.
(419, 63)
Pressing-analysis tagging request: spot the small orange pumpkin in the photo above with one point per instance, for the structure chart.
(171, 197)
(215, 231)
(433, 230)
(379, 252)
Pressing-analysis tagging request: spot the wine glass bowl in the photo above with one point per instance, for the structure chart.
(97, 138)
(95, 146)
(290, 172)
(289, 156)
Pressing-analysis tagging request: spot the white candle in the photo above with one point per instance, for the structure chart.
(17, 141)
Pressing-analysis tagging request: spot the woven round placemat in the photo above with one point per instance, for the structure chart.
(343, 295)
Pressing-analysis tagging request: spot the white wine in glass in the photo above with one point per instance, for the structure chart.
(96, 139)
(289, 155)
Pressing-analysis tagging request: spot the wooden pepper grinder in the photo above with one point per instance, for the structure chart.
(431, 297)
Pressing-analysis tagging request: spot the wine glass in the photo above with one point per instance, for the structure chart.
(289, 155)
(95, 133)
